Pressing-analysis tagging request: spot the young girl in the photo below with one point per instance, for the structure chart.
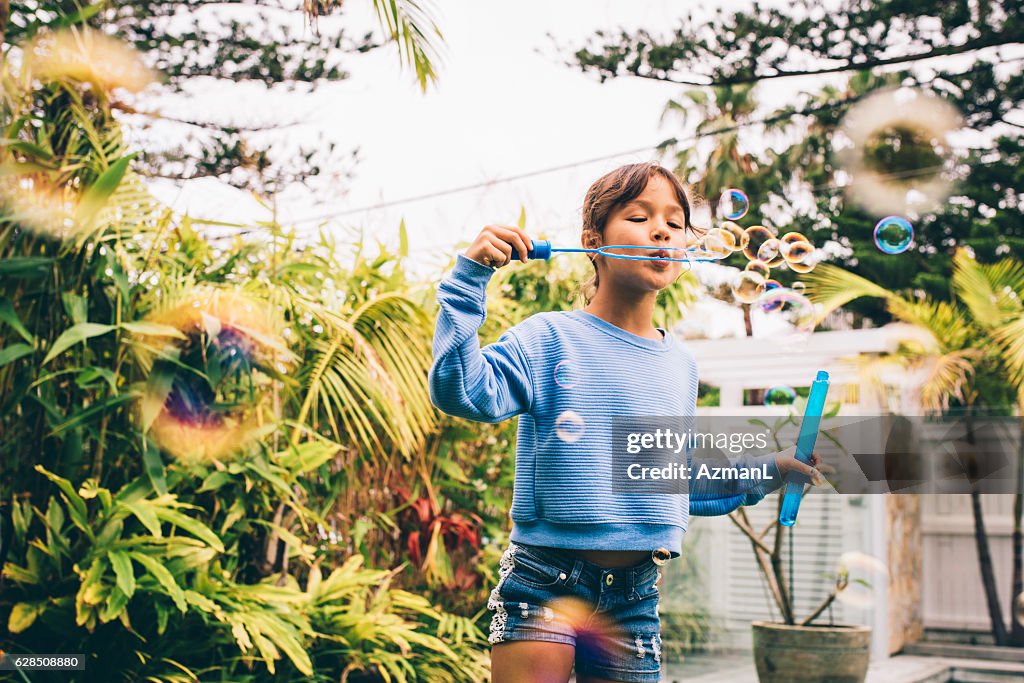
(578, 581)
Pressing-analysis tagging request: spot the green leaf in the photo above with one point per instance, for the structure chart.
(158, 388)
(403, 240)
(74, 335)
(13, 353)
(144, 514)
(76, 307)
(90, 374)
(215, 481)
(28, 148)
(124, 572)
(23, 615)
(452, 469)
(25, 266)
(76, 505)
(9, 316)
(154, 466)
(100, 191)
(151, 329)
(116, 603)
(78, 419)
(163, 577)
(193, 526)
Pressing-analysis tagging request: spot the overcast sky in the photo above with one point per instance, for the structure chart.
(504, 105)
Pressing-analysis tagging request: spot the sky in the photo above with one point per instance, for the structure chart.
(505, 105)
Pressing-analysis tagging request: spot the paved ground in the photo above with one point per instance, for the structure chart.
(739, 668)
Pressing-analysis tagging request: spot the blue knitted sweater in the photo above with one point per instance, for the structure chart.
(558, 363)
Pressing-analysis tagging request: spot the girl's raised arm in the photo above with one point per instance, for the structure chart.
(487, 385)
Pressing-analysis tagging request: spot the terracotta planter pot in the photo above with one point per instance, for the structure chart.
(802, 654)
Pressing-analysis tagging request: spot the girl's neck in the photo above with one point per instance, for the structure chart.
(632, 316)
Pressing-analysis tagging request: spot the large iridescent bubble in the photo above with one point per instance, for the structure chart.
(893, 234)
(211, 358)
(733, 204)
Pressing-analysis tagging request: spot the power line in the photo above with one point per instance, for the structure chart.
(561, 167)
(474, 186)
(767, 120)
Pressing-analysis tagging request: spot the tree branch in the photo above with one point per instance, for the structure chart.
(971, 46)
(128, 109)
(742, 526)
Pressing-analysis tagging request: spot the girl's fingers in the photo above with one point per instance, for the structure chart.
(500, 252)
(516, 237)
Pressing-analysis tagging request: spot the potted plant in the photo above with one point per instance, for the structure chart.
(797, 649)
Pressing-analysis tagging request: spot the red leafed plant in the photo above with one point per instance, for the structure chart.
(432, 538)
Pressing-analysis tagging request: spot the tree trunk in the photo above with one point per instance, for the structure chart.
(1017, 584)
(988, 579)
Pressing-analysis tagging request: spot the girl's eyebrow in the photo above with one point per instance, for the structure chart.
(644, 203)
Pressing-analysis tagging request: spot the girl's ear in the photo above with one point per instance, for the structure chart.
(590, 239)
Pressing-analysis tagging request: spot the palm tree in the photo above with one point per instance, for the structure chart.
(977, 337)
(720, 112)
(408, 24)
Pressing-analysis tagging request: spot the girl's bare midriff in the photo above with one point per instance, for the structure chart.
(613, 558)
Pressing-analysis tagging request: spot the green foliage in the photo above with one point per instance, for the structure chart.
(177, 38)
(875, 42)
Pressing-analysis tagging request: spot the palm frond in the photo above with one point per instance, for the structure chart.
(992, 293)
(832, 287)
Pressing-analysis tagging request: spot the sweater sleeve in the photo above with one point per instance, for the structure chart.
(487, 385)
(712, 497)
(709, 498)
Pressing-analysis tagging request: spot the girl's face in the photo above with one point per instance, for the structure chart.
(653, 218)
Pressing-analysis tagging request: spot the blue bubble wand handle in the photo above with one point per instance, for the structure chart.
(804, 448)
(542, 249)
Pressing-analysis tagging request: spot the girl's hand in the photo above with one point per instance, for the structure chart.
(787, 462)
(495, 244)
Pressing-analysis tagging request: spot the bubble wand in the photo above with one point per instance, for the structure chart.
(804, 448)
(542, 249)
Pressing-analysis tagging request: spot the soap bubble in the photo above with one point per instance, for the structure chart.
(566, 375)
(739, 235)
(799, 287)
(597, 635)
(780, 396)
(861, 573)
(797, 252)
(41, 206)
(802, 267)
(88, 56)
(791, 237)
(794, 307)
(569, 426)
(759, 267)
(773, 305)
(748, 286)
(211, 359)
(769, 251)
(899, 154)
(894, 234)
(661, 556)
(719, 243)
(733, 204)
(756, 236)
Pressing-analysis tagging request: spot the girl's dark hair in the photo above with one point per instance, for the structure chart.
(616, 189)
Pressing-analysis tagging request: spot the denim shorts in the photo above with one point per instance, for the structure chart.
(610, 615)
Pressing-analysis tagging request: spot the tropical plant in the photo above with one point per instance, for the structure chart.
(974, 360)
(768, 543)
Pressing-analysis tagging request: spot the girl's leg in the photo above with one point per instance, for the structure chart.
(531, 661)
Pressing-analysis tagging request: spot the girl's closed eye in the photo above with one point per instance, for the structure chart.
(640, 219)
